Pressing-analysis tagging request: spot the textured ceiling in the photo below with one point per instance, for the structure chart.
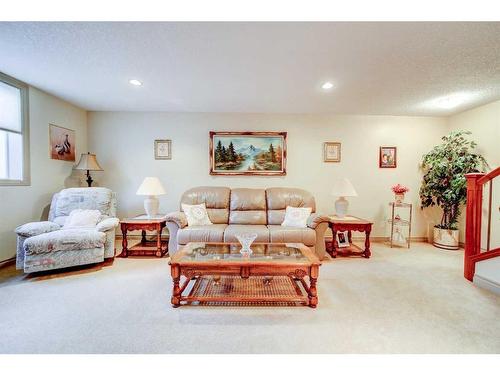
(377, 68)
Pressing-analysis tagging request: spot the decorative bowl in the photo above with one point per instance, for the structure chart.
(246, 240)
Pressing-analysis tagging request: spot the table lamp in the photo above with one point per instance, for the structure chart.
(89, 163)
(343, 188)
(151, 186)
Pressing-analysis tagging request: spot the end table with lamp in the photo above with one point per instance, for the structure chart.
(152, 221)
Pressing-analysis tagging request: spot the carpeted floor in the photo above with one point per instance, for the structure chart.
(399, 301)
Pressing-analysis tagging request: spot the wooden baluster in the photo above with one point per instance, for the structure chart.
(472, 222)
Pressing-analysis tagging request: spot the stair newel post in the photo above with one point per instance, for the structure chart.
(472, 222)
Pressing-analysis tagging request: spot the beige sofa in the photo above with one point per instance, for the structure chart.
(261, 211)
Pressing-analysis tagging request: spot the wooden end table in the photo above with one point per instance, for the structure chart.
(144, 223)
(349, 224)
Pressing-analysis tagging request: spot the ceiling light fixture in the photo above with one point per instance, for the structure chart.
(135, 82)
(451, 101)
(327, 86)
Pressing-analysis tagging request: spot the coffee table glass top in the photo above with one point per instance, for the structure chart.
(230, 252)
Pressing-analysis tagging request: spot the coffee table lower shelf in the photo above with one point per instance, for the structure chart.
(252, 291)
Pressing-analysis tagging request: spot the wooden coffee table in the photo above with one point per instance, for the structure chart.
(216, 273)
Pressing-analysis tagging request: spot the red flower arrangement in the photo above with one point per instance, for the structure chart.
(399, 189)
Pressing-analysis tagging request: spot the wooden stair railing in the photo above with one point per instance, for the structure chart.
(473, 254)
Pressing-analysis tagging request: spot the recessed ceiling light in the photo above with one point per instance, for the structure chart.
(135, 82)
(452, 101)
(327, 86)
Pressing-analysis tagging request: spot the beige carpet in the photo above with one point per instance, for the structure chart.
(399, 301)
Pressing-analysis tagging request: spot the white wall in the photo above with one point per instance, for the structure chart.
(484, 123)
(21, 204)
(123, 142)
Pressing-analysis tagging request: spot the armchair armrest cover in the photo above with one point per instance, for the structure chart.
(178, 218)
(36, 228)
(107, 224)
(316, 219)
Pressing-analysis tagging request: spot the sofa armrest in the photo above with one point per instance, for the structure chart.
(178, 218)
(316, 219)
(107, 224)
(37, 227)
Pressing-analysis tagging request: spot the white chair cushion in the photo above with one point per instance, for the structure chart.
(82, 219)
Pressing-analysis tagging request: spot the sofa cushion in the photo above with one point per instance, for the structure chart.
(201, 233)
(233, 229)
(69, 239)
(248, 206)
(216, 201)
(279, 233)
(277, 199)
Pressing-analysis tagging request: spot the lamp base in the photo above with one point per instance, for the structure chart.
(341, 206)
(151, 204)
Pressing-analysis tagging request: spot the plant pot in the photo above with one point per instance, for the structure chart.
(399, 198)
(446, 238)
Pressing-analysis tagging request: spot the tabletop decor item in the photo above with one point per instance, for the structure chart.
(341, 189)
(88, 162)
(152, 187)
(331, 152)
(248, 153)
(445, 185)
(62, 143)
(163, 149)
(246, 240)
(399, 192)
(387, 157)
(343, 239)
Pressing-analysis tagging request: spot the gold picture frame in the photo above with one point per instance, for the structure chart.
(163, 149)
(331, 152)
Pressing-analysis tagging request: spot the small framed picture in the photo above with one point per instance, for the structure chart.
(62, 143)
(343, 239)
(163, 149)
(331, 152)
(387, 157)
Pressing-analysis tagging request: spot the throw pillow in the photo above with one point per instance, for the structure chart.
(82, 219)
(296, 217)
(196, 214)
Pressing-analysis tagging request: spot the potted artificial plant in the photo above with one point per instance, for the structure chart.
(444, 183)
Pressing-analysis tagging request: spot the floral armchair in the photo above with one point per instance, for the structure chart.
(47, 245)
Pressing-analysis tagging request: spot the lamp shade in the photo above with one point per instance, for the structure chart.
(88, 162)
(344, 188)
(151, 186)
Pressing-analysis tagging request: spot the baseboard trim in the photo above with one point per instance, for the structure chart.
(486, 284)
(7, 262)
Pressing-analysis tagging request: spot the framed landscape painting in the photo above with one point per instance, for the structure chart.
(61, 143)
(248, 153)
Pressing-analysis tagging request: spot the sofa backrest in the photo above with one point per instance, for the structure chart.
(279, 198)
(93, 198)
(248, 206)
(216, 199)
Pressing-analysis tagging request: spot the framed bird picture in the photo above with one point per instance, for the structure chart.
(61, 143)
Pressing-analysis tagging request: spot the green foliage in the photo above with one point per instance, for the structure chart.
(444, 183)
(272, 153)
